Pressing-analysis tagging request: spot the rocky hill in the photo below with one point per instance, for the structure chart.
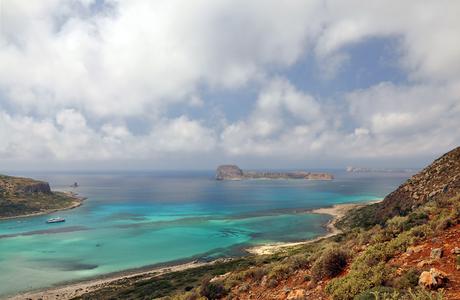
(438, 182)
(22, 196)
(233, 172)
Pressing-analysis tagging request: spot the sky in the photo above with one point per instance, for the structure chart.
(169, 84)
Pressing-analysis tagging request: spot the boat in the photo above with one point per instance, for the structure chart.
(55, 220)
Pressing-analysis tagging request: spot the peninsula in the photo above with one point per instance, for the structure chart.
(233, 172)
(21, 197)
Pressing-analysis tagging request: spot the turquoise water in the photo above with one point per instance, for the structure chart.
(131, 220)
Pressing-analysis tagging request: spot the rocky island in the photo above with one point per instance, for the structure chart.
(25, 196)
(233, 172)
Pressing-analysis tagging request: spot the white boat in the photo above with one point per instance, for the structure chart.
(55, 220)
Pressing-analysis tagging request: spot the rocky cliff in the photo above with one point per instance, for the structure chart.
(39, 187)
(233, 172)
(18, 185)
(21, 196)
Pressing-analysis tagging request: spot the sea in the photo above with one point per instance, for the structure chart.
(136, 219)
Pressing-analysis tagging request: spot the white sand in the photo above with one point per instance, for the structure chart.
(337, 212)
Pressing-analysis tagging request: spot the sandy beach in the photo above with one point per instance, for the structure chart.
(337, 212)
(73, 290)
(76, 289)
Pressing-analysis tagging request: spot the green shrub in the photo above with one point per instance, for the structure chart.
(297, 262)
(415, 219)
(212, 290)
(280, 271)
(187, 296)
(408, 280)
(421, 294)
(330, 264)
(255, 273)
(359, 279)
(379, 293)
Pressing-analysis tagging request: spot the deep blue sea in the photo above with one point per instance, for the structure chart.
(136, 219)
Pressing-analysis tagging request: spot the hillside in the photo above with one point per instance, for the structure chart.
(407, 247)
(438, 182)
(23, 196)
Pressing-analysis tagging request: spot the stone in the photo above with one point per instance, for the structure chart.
(424, 263)
(220, 277)
(432, 279)
(264, 280)
(414, 249)
(299, 294)
(456, 250)
(436, 253)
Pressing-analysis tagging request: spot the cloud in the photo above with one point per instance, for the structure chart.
(283, 120)
(76, 74)
(385, 120)
(68, 137)
(427, 32)
(139, 56)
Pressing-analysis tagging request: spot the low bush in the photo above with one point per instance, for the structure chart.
(407, 280)
(187, 296)
(212, 290)
(279, 271)
(379, 293)
(421, 294)
(358, 280)
(255, 273)
(330, 264)
(414, 219)
(297, 261)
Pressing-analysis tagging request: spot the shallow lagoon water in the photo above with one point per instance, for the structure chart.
(131, 220)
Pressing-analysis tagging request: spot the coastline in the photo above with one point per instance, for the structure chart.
(337, 211)
(75, 289)
(76, 202)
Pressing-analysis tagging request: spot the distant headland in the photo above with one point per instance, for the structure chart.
(233, 172)
(23, 197)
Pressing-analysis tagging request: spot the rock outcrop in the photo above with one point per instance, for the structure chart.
(39, 187)
(436, 253)
(233, 172)
(432, 279)
(299, 294)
